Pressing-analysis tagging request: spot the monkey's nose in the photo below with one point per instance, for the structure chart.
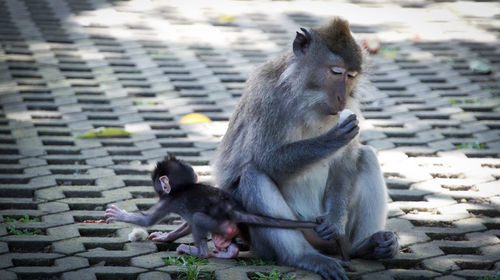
(341, 102)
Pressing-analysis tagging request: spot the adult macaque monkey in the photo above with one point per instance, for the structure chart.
(277, 157)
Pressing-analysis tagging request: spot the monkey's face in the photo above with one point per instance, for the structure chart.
(331, 61)
(339, 84)
(334, 80)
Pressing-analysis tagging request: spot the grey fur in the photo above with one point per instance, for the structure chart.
(275, 148)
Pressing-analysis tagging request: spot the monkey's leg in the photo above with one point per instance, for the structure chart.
(367, 218)
(188, 250)
(259, 194)
(177, 233)
(203, 224)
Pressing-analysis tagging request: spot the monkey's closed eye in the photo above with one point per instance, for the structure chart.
(352, 74)
(337, 70)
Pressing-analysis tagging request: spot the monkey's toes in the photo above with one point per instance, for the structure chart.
(348, 265)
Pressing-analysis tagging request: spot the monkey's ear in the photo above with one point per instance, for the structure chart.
(301, 42)
(165, 184)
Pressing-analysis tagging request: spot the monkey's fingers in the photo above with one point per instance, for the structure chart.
(186, 249)
(154, 234)
(385, 243)
(161, 237)
(348, 265)
(231, 252)
(220, 241)
(110, 213)
(353, 132)
(348, 120)
(114, 208)
(351, 125)
(324, 228)
(383, 253)
(322, 224)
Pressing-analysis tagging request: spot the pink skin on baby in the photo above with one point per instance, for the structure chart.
(224, 248)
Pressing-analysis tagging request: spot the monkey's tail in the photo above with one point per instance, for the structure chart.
(242, 217)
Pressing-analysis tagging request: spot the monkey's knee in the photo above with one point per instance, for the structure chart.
(259, 194)
(368, 160)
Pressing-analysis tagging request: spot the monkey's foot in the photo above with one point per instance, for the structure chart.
(385, 244)
(381, 245)
(329, 268)
(228, 253)
(187, 250)
(192, 250)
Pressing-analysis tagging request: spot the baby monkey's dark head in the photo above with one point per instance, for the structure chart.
(171, 174)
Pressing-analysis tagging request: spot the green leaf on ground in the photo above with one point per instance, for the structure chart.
(104, 132)
(471, 145)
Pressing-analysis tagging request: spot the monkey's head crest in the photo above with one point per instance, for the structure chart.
(162, 166)
(337, 36)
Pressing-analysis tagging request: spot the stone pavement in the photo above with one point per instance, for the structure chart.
(68, 66)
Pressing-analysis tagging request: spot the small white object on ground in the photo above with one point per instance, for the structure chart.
(344, 114)
(138, 234)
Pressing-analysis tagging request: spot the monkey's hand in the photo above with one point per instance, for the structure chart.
(220, 241)
(159, 236)
(329, 228)
(114, 213)
(342, 133)
(229, 253)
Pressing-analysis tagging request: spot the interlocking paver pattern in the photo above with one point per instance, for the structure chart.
(67, 66)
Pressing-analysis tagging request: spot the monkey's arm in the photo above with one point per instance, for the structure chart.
(333, 223)
(335, 202)
(292, 158)
(154, 215)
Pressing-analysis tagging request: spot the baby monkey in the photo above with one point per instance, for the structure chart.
(205, 209)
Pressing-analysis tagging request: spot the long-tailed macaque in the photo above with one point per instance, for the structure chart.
(278, 158)
(205, 209)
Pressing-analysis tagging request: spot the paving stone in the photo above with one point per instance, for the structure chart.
(154, 275)
(60, 265)
(449, 277)
(27, 259)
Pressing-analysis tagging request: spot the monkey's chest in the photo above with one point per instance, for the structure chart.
(305, 193)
